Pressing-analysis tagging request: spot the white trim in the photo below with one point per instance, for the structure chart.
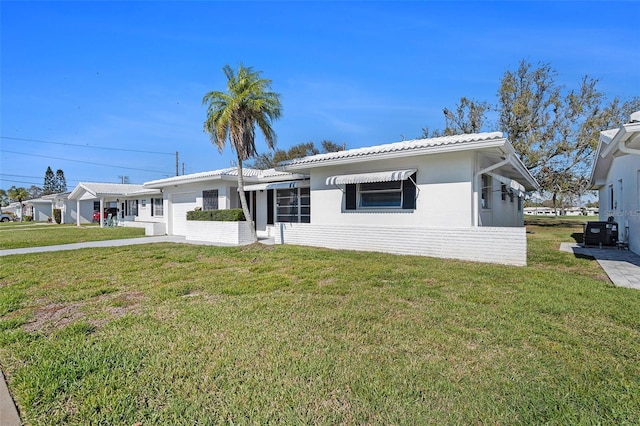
(389, 176)
(278, 185)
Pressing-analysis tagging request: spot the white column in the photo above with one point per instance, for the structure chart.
(78, 212)
(101, 212)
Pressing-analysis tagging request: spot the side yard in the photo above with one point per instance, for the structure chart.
(181, 334)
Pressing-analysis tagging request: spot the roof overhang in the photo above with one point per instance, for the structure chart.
(404, 149)
(278, 185)
(614, 143)
(386, 176)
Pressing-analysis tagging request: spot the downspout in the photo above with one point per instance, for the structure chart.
(476, 184)
(624, 148)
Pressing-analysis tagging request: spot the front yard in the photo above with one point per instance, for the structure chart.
(32, 234)
(180, 334)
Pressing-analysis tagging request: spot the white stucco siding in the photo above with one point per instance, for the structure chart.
(180, 204)
(443, 198)
(623, 182)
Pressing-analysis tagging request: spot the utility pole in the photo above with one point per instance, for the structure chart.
(177, 164)
(183, 169)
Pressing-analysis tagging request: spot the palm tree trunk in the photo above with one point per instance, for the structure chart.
(243, 202)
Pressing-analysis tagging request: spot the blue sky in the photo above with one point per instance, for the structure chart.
(130, 76)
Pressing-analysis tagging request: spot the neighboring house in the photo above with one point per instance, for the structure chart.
(454, 197)
(42, 208)
(616, 176)
(218, 189)
(131, 205)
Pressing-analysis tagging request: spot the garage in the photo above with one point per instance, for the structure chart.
(180, 205)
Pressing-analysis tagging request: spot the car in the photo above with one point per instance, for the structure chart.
(111, 210)
(6, 217)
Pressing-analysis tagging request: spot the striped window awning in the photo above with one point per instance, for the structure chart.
(510, 183)
(388, 176)
(278, 185)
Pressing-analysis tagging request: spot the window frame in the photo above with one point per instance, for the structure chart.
(210, 199)
(371, 190)
(486, 189)
(154, 207)
(299, 203)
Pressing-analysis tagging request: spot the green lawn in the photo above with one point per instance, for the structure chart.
(180, 334)
(32, 234)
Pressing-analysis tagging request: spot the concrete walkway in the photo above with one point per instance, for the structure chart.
(622, 266)
(8, 411)
(107, 243)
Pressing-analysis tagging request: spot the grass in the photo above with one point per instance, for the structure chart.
(178, 334)
(32, 234)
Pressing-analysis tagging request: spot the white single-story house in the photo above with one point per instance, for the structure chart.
(218, 189)
(42, 208)
(129, 204)
(616, 176)
(452, 197)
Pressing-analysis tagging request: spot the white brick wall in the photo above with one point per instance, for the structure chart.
(235, 233)
(482, 244)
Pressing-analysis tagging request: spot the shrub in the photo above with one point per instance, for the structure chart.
(57, 215)
(27, 218)
(230, 215)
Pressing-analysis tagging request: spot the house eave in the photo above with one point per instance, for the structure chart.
(427, 150)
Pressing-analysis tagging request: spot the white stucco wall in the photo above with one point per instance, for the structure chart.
(624, 178)
(444, 194)
(181, 193)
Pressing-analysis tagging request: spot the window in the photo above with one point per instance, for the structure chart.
(486, 192)
(620, 195)
(210, 199)
(612, 206)
(293, 205)
(156, 207)
(519, 204)
(380, 194)
(96, 206)
(503, 191)
(131, 208)
(399, 194)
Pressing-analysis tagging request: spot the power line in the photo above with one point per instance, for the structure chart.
(87, 162)
(39, 177)
(87, 146)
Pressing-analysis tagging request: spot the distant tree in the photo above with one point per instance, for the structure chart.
(35, 191)
(469, 116)
(555, 131)
(18, 194)
(328, 146)
(234, 114)
(271, 159)
(61, 182)
(49, 186)
(4, 199)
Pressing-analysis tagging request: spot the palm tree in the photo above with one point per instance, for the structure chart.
(18, 194)
(234, 115)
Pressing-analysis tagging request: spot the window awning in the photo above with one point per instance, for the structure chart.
(510, 183)
(278, 185)
(389, 176)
